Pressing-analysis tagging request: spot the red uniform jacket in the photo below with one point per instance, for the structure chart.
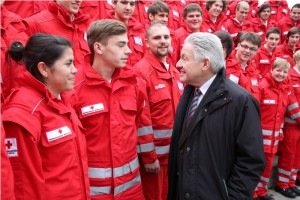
(7, 179)
(57, 21)
(164, 90)
(114, 115)
(140, 12)
(209, 26)
(136, 36)
(275, 99)
(234, 27)
(45, 144)
(279, 9)
(260, 28)
(25, 8)
(12, 29)
(96, 9)
(285, 52)
(175, 15)
(284, 25)
(248, 78)
(263, 60)
(294, 79)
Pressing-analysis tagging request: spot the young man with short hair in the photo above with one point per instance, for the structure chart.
(264, 56)
(123, 10)
(288, 22)
(164, 90)
(113, 108)
(239, 23)
(158, 12)
(240, 68)
(192, 15)
(289, 46)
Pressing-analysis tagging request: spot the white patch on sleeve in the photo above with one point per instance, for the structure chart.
(11, 147)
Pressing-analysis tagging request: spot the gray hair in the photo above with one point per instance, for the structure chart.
(207, 46)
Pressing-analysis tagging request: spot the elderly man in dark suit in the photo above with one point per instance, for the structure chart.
(217, 148)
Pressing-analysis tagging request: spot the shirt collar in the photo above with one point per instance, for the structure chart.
(207, 84)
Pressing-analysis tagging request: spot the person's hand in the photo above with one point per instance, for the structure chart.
(152, 167)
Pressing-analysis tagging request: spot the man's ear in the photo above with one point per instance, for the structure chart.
(98, 47)
(206, 64)
(151, 17)
(43, 69)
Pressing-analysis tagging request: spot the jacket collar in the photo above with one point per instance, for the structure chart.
(65, 17)
(160, 67)
(27, 80)
(216, 90)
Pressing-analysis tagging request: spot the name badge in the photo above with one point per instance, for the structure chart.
(264, 61)
(138, 40)
(160, 86)
(269, 101)
(92, 108)
(58, 133)
(254, 82)
(175, 13)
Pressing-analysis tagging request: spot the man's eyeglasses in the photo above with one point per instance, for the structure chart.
(252, 49)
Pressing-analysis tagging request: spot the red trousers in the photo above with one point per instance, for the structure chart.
(289, 158)
(155, 186)
(262, 187)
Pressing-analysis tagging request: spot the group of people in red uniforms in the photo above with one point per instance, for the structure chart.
(89, 91)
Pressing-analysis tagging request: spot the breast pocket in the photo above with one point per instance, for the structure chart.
(160, 95)
(128, 111)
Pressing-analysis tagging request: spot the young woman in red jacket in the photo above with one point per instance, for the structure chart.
(44, 138)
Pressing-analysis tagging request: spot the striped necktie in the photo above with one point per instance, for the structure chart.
(194, 104)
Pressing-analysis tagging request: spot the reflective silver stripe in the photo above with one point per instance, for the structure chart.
(295, 116)
(282, 179)
(287, 119)
(292, 106)
(99, 190)
(118, 171)
(282, 125)
(293, 177)
(145, 130)
(162, 149)
(267, 132)
(282, 171)
(100, 172)
(276, 142)
(264, 179)
(125, 169)
(125, 186)
(262, 185)
(146, 147)
(294, 170)
(163, 133)
(267, 142)
(277, 133)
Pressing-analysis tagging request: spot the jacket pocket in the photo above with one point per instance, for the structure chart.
(160, 95)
